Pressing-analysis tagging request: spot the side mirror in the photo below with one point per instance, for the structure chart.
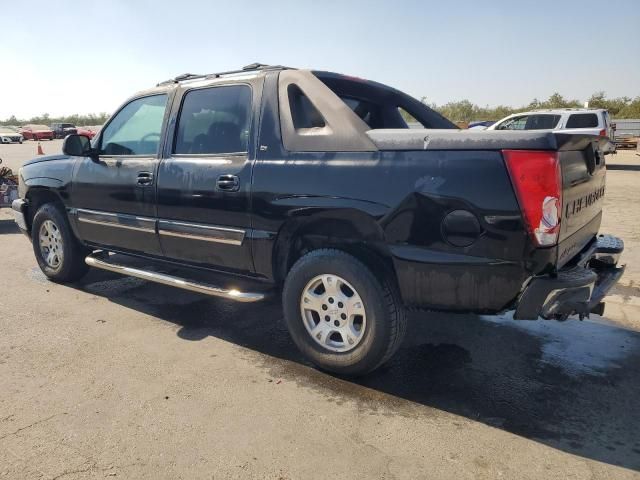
(78, 146)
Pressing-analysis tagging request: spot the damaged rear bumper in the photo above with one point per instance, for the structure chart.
(575, 290)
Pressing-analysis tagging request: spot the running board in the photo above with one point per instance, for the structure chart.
(233, 294)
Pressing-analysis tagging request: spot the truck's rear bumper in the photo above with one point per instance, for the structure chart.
(578, 289)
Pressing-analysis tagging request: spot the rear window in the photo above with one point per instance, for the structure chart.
(365, 110)
(582, 120)
(382, 107)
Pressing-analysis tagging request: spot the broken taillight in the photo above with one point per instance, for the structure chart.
(537, 181)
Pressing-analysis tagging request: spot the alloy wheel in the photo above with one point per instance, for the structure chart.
(333, 313)
(51, 244)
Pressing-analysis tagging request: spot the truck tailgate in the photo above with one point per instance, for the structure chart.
(583, 186)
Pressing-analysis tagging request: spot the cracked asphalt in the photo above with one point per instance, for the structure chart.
(114, 377)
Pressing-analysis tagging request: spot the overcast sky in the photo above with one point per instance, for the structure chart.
(66, 57)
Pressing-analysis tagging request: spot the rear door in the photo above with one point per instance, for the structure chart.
(204, 181)
(114, 196)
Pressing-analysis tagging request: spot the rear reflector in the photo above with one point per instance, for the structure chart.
(603, 133)
(537, 182)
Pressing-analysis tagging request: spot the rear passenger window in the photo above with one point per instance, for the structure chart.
(214, 120)
(304, 114)
(582, 120)
(531, 122)
(542, 122)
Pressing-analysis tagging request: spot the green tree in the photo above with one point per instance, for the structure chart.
(76, 119)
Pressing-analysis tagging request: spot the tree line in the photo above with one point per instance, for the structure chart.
(466, 111)
(46, 119)
(459, 111)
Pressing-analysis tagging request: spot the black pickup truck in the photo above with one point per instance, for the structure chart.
(272, 179)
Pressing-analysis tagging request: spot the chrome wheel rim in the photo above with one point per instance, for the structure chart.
(51, 244)
(333, 313)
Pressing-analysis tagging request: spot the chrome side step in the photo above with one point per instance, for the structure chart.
(104, 264)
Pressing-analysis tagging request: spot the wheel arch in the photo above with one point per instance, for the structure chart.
(351, 231)
(37, 196)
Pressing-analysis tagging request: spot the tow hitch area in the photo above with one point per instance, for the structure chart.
(578, 289)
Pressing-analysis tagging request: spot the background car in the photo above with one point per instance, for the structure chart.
(481, 123)
(569, 120)
(8, 135)
(61, 130)
(87, 131)
(37, 132)
(587, 121)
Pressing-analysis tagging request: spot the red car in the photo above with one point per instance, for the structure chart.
(87, 131)
(37, 132)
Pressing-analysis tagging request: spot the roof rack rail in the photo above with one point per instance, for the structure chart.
(253, 67)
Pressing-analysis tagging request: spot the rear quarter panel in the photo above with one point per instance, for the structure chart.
(395, 202)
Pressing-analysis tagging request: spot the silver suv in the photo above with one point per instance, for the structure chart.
(569, 120)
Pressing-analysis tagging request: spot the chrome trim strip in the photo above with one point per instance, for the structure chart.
(199, 237)
(118, 220)
(207, 233)
(117, 225)
(233, 294)
(191, 231)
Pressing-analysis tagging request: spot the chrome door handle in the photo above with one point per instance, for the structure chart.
(145, 178)
(228, 183)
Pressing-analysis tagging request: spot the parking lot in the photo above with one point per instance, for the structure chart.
(114, 377)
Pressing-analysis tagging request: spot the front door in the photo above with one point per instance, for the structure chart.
(114, 195)
(204, 182)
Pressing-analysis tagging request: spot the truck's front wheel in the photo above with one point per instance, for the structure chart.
(58, 252)
(340, 315)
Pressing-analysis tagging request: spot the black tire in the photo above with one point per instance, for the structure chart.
(71, 265)
(385, 314)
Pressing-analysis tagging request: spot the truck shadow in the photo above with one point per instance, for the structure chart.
(572, 386)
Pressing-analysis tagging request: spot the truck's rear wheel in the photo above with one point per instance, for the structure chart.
(58, 252)
(340, 315)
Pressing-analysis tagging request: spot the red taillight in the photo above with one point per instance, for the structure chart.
(537, 181)
(603, 133)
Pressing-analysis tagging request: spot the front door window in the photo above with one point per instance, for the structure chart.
(135, 130)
